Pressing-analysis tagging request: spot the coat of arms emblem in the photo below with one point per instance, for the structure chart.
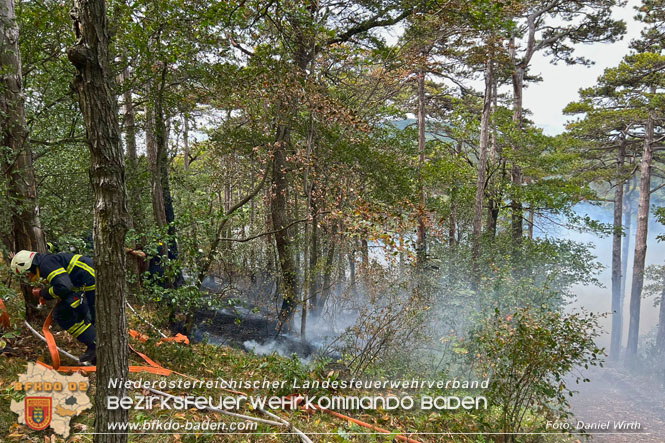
(38, 412)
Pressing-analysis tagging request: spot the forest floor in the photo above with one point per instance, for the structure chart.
(609, 397)
(211, 362)
(614, 396)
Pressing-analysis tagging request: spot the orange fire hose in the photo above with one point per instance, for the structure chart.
(4, 316)
(50, 340)
(153, 367)
(178, 338)
(356, 421)
(366, 425)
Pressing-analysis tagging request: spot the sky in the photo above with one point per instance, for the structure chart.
(561, 82)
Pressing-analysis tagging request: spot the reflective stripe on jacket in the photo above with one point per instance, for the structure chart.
(66, 274)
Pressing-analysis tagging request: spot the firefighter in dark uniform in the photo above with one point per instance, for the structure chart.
(71, 279)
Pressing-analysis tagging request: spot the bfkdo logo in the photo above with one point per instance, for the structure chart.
(50, 399)
(38, 412)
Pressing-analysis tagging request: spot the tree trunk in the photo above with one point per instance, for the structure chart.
(305, 278)
(327, 273)
(162, 167)
(516, 170)
(364, 252)
(296, 231)
(185, 140)
(314, 258)
(129, 126)
(492, 201)
(152, 148)
(640, 239)
(660, 337)
(22, 186)
(421, 247)
(615, 342)
(93, 83)
(452, 224)
(492, 213)
(341, 262)
(482, 175)
(627, 223)
(352, 267)
(252, 221)
(271, 263)
(280, 222)
(227, 205)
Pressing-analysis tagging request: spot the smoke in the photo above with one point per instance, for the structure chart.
(599, 299)
(276, 346)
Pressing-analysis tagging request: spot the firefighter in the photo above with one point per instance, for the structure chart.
(71, 279)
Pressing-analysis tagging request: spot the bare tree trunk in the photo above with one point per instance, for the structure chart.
(660, 337)
(314, 258)
(162, 141)
(252, 221)
(341, 253)
(352, 267)
(271, 264)
(402, 257)
(98, 104)
(364, 250)
(421, 246)
(452, 224)
(492, 201)
(227, 206)
(305, 280)
(516, 170)
(185, 140)
(640, 239)
(280, 222)
(481, 174)
(22, 186)
(129, 126)
(327, 272)
(129, 122)
(152, 148)
(296, 229)
(627, 223)
(615, 342)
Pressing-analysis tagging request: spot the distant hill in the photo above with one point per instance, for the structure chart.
(402, 124)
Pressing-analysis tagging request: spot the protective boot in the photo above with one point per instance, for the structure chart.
(88, 337)
(90, 355)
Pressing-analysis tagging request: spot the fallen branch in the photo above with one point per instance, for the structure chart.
(302, 436)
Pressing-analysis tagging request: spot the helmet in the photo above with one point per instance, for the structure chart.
(22, 261)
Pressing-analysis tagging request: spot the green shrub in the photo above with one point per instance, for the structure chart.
(527, 356)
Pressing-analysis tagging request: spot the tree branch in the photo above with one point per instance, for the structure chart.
(365, 26)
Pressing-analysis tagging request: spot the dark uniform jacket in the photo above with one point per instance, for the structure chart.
(67, 275)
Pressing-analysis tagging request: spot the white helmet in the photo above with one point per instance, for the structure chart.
(22, 261)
